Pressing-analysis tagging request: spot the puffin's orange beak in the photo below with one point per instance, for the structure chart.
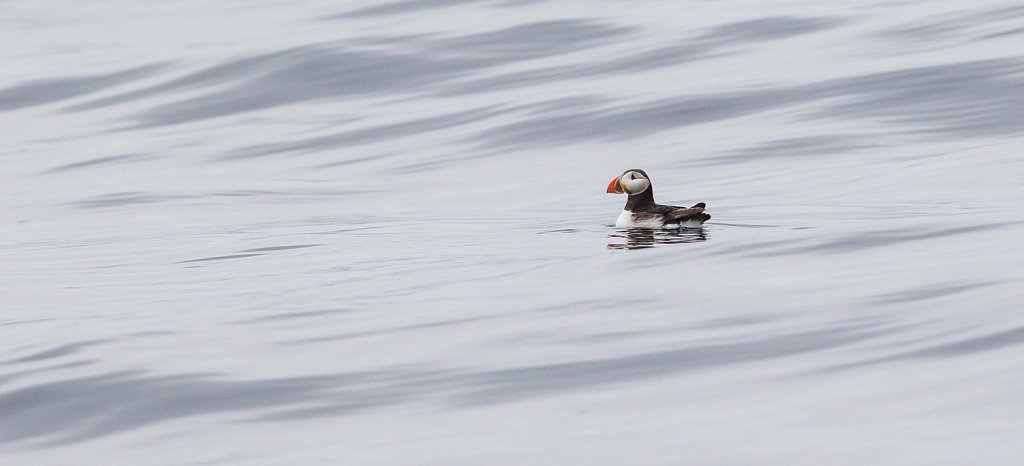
(615, 187)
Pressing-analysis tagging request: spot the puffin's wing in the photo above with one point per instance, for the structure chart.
(681, 214)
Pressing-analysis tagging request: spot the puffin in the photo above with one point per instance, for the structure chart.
(642, 212)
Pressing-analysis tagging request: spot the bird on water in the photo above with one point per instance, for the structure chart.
(642, 212)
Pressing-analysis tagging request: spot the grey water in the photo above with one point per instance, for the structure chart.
(273, 232)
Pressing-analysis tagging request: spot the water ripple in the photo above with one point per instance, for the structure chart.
(44, 91)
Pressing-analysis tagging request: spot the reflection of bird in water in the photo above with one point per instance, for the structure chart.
(642, 212)
(640, 238)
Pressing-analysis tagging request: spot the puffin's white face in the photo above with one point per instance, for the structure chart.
(631, 182)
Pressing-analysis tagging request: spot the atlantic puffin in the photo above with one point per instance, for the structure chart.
(642, 212)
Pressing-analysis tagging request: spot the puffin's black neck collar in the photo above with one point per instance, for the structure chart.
(637, 202)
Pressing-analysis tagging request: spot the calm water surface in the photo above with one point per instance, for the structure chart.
(269, 232)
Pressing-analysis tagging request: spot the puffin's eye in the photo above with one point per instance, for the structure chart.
(632, 176)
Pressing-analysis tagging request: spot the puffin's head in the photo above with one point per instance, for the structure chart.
(632, 181)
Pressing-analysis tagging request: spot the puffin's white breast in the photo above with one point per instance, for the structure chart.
(626, 220)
